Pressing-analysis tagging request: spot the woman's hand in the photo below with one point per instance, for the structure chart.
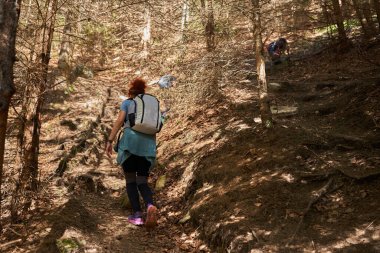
(109, 148)
(116, 126)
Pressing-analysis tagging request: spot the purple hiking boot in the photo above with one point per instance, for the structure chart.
(136, 219)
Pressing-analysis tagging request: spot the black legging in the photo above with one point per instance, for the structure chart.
(136, 171)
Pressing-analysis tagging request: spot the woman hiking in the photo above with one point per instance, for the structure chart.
(136, 155)
(277, 48)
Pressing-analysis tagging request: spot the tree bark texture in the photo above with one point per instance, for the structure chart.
(376, 6)
(367, 12)
(9, 15)
(147, 31)
(327, 17)
(185, 19)
(266, 115)
(64, 53)
(345, 9)
(339, 21)
(360, 16)
(210, 27)
(29, 137)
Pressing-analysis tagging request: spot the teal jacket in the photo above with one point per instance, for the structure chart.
(132, 142)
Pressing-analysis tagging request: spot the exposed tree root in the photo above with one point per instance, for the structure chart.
(315, 197)
(81, 142)
(324, 176)
(336, 170)
(7, 245)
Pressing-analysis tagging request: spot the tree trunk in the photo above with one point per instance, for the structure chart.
(368, 17)
(29, 138)
(326, 16)
(266, 115)
(64, 53)
(28, 13)
(147, 31)
(210, 27)
(9, 15)
(376, 6)
(203, 13)
(359, 14)
(185, 20)
(345, 9)
(339, 21)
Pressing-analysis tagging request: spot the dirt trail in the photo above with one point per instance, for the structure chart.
(82, 209)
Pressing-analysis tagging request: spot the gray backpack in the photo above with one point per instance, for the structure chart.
(144, 114)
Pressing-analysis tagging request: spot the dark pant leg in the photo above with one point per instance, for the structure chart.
(129, 167)
(142, 180)
(145, 191)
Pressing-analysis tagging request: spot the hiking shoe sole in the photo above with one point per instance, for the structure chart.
(136, 221)
(151, 217)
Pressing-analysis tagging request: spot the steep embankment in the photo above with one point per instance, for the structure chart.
(309, 184)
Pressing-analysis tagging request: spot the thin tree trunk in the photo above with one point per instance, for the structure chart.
(64, 53)
(28, 13)
(147, 31)
(339, 21)
(29, 139)
(266, 115)
(185, 20)
(203, 13)
(368, 17)
(9, 15)
(344, 8)
(359, 14)
(326, 16)
(376, 6)
(210, 27)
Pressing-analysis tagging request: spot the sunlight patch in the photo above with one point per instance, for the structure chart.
(205, 187)
(173, 214)
(283, 109)
(258, 179)
(234, 219)
(240, 240)
(238, 126)
(288, 177)
(365, 235)
(89, 104)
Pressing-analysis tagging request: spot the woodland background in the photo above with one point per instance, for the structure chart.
(304, 180)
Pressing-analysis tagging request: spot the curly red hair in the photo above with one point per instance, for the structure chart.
(136, 86)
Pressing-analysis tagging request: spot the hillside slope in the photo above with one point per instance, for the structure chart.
(308, 185)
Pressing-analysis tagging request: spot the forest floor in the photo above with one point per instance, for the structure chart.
(308, 185)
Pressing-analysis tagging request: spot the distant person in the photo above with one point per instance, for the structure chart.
(277, 49)
(136, 155)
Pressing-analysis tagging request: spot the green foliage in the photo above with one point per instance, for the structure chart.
(333, 29)
(196, 26)
(160, 183)
(67, 245)
(124, 201)
(186, 218)
(99, 33)
(351, 23)
(69, 89)
(60, 20)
